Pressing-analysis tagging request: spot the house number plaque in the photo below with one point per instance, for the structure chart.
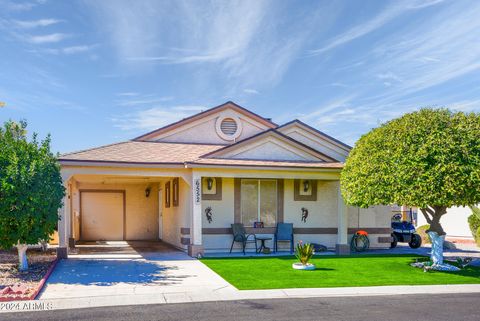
(198, 192)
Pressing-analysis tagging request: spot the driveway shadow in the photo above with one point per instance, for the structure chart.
(111, 272)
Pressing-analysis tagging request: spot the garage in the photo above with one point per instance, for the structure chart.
(102, 215)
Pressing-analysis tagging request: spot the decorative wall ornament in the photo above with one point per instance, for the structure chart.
(304, 214)
(175, 193)
(209, 214)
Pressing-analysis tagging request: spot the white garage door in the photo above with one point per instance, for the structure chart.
(102, 215)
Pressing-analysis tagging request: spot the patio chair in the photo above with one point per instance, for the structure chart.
(283, 233)
(240, 235)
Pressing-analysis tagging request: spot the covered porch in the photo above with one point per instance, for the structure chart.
(107, 206)
(309, 199)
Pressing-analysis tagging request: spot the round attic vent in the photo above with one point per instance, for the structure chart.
(228, 126)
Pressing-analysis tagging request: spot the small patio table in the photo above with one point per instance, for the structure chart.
(262, 245)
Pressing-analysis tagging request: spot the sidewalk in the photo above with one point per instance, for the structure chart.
(229, 294)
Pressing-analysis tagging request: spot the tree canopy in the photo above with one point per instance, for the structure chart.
(428, 158)
(31, 189)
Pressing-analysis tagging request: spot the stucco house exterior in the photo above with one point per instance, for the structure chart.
(185, 183)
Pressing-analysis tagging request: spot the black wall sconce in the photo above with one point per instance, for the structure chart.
(306, 185)
(209, 183)
(147, 191)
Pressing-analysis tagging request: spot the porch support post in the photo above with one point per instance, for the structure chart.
(196, 248)
(63, 224)
(342, 247)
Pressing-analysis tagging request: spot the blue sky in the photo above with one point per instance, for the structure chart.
(97, 72)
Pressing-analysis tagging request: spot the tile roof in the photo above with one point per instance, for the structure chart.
(142, 152)
(176, 153)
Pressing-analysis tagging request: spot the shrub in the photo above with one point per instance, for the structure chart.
(422, 231)
(474, 223)
(304, 252)
(477, 237)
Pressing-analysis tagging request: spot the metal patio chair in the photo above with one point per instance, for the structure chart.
(240, 235)
(283, 233)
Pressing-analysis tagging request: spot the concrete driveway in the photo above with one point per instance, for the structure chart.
(125, 270)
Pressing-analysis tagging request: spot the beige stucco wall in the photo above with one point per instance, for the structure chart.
(190, 132)
(322, 214)
(372, 217)
(141, 212)
(320, 145)
(176, 217)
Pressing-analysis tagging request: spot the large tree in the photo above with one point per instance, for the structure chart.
(429, 159)
(31, 189)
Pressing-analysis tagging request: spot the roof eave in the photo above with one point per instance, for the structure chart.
(109, 163)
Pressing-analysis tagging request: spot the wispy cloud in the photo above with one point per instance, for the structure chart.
(386, 16)
(251, 91)
(17, 5)
(155, 117)
(30, 24)
(128, 94)
(238, 39)
(71, 50)
(131, 99)
(49, 38)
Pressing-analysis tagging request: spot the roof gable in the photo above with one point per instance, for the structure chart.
(270, 145)
(316, 139)
(201, 127)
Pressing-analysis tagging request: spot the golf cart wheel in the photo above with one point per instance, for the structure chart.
(394, 241)
(416, 241)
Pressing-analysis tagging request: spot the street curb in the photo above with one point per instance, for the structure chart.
(229, 295)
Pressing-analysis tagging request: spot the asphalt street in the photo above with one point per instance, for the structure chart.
(406, 307)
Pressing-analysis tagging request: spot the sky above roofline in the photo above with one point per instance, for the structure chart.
(97, 72)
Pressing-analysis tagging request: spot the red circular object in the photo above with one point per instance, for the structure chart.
(361, 232)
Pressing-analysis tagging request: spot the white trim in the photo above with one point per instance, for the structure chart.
(285, 130)
(293, 146)
(264, 168)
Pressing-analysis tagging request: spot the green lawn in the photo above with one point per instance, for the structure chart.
(332, 271)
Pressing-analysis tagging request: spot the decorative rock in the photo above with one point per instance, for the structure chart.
(300, 266)
(426, 266)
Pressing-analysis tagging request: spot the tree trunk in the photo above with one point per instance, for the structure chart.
(435, 232)
(437, 247)
(22, 257)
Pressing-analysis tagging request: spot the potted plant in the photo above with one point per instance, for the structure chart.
(304, 253)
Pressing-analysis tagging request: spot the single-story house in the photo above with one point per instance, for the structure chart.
(186, 183)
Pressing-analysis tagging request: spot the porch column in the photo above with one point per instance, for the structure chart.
(342, 246)
(196, 248)
(64, 223)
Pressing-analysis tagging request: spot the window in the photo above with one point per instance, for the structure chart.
(259, 202)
